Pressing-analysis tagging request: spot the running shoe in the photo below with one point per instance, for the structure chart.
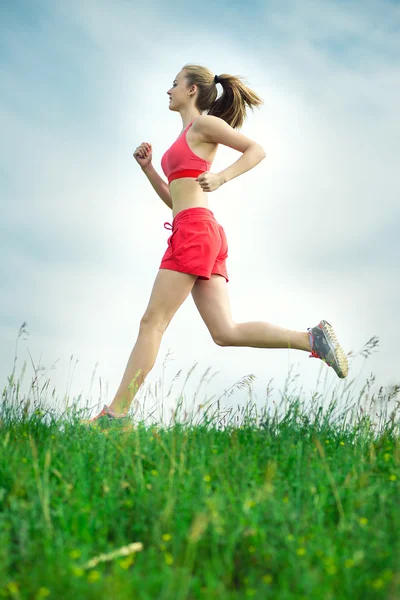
(108, 416)
(324, 345)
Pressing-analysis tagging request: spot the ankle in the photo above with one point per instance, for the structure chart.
(119, 408)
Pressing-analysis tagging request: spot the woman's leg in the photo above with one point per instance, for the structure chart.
(170, 290)
(212, 301)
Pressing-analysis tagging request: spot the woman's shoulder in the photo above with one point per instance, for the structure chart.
(206, 121)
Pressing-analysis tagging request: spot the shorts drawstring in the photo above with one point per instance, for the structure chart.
(170, 226)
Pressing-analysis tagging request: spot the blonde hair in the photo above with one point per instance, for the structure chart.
(231, 105)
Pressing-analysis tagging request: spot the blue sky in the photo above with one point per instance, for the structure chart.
(312, 231)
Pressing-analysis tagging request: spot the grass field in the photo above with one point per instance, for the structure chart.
(295, 505)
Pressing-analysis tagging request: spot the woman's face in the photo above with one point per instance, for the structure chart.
(178, 93)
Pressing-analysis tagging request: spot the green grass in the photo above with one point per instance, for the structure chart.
(281, 506)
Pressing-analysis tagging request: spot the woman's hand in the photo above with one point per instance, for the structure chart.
(209, 182)
(143, 154)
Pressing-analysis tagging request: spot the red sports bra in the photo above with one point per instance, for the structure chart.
(179, 160)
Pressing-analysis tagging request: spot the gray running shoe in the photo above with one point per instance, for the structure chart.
(324, 345)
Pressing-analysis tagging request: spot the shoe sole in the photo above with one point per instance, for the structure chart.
(338, 352)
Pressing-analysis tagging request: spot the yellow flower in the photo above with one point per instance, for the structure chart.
(167, 537)
(342, 443)
(77, 571)
(12, 587)
(290, 537)
(363, 521)
(169, 559)
(326, 441)
(349, 563)
(377, 584)
(285, 499)
(24, 459)
(267, 579)
(125, 563)
(331, 569)
(392, 477)
(386, 457)
(94, 576)
(301, 551)
(207, 478)
(75, 554)
(154, 472)
(42, 593)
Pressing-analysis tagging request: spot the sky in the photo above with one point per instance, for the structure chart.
(312, 230)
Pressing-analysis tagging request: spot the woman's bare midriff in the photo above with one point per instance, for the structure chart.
(186, 193)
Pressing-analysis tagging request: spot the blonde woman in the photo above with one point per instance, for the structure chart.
(195, 260)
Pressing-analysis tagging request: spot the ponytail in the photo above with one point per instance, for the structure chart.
(236, 97)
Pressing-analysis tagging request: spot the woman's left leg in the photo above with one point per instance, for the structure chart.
(212, 301)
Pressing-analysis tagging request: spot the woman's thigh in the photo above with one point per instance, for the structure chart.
(170, 290)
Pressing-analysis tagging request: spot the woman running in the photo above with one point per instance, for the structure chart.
(195, 260)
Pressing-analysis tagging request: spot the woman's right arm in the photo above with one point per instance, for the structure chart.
(158, 184)
(143, 155)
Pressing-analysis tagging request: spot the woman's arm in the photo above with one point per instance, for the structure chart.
(218, 131)
(159, 185)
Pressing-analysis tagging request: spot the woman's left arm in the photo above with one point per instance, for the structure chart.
(216, 130)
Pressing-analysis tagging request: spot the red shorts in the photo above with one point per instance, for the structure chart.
(198, 244)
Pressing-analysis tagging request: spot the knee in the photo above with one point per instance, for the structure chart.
(153, 321)
(224, 337)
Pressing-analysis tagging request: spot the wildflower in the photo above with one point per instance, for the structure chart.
(301, 551)
(267, 579)
(207, 478)
(392, 477)
(154, 472)
(331, 569)
(125, 563)
(77, 571)
(285, 499)
(386, 457)
(75, 554)
(12, 587)
(377, 584)
(248, 504)
(43, 592)
(342, 443)
(363, 521)
(250, 592)
(290, 537)
(167, 537)
(326, 441)
(169, 559)
(94, 576)
(349, 563)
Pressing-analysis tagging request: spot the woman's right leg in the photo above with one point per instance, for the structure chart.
(170, 290)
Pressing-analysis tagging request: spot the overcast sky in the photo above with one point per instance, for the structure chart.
(313, 230)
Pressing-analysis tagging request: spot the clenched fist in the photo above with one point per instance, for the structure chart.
(209, 182)
(143, 154)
